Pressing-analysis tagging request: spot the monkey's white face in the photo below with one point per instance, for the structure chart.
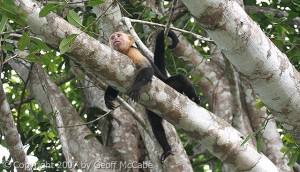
(120, 42)
(116, 39)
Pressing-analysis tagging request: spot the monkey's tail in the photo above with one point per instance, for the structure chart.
(159, 53)
(174, 38)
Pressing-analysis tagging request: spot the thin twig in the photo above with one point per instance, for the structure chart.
(5, 61)
(173, 28)
(137, 39)
(135, 115)
(168, 25)
(121, 6)
(15, 31)
(64, 3)
(86, 123)
(22, 97)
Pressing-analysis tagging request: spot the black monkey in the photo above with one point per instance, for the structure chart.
(146, 68)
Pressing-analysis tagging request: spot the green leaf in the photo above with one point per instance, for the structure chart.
(41, 146)
(12, 12)
(293, 159)
(89, 136)
(184, 58)
(260, 143)
(90, 20)
(47, 9)
(209, 80)
(9, 2)
(3, 23)
(64, 46)
(41, 44)
(34, 49)
(74, 18)
(45, 59)
(283, 150)
(182, 70)
(8, 47)
(248, 138)
(24, 41)
(259, 104)
(292, 15)
(189, 149)
(95, 2)
(31, 57)
(288, 138)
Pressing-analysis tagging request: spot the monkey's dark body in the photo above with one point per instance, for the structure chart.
(179, 82)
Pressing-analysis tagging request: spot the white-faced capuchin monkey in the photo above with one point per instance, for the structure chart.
(145, 70)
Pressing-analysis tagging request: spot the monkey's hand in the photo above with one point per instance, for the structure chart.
(165, 155)
(110, 95)
(143, 77)
(136, 89)
(198, 100)
(109, 103)
(134, 94)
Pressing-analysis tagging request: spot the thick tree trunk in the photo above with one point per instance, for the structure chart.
(12, 136)
(268, 70)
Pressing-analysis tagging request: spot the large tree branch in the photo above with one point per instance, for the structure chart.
(246, 46)
(11, 134)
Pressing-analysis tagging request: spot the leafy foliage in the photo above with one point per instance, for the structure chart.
(291, 148)
(11, 11)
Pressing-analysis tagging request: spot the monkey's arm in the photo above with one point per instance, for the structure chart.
(144, 72)
(110, 95)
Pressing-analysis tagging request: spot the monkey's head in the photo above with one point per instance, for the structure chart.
(121, 42)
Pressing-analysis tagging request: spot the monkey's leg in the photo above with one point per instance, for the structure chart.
(183, 85)
(144, 76)
(159, 133)
(110, 95)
